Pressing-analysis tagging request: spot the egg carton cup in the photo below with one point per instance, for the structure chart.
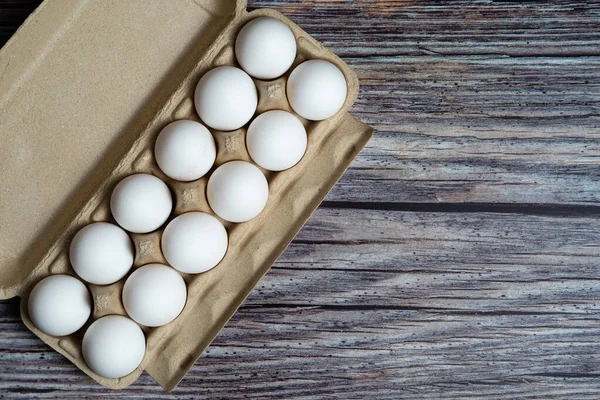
(213, 296)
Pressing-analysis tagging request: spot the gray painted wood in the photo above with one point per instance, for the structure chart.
(471, 101)
(431, 271)
(477, 305)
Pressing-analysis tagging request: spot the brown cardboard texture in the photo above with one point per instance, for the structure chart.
(86, 89)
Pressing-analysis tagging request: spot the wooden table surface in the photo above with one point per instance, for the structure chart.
(457, 258)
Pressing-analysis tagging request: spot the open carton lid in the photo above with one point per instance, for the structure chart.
(75, 81)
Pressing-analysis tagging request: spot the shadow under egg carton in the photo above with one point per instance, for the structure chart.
(254, 246)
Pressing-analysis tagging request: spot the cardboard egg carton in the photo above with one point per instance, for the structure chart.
(213, 296)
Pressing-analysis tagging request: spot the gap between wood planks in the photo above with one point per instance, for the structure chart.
(498, 208)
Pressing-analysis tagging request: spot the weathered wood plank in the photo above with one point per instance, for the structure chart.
(466, 305)
(471, 101)
(416, 168)
(316, 353)
(452, 262)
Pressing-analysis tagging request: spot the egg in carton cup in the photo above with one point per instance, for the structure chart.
(212, 296)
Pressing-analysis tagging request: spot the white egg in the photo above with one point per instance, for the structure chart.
(265, 48)
(185, 150)
(237, 191)
(276, 140)
(154, 295)
(316, 90)
(141, 203)
(101, 253)
(113, 346)
(194, 242)
(226, 98)
(59, 305)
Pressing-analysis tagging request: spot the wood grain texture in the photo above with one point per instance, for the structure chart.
(471, 101)
(431, 271)
(464, 305)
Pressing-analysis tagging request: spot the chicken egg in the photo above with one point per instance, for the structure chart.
(154, 295)
(141, 203)
(194, 242)
(316, 90)
(226, 98)
(101, 253)
(276, 140)
(237, 191)
(185, 150)
(113, 346)
(265, 48)
(59, 305)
